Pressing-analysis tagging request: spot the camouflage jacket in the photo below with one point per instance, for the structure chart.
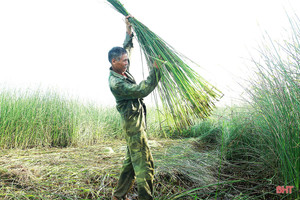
(129, 95)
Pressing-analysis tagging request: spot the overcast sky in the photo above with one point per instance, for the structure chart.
(63, 44)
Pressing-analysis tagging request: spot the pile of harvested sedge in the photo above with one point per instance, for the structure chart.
(184, 94)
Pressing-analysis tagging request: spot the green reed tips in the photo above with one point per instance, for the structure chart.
(185, 95)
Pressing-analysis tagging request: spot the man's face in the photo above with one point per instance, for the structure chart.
(121, 65)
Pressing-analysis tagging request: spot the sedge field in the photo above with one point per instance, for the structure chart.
(224, 157)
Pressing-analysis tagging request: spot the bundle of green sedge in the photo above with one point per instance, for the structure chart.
(184, 94)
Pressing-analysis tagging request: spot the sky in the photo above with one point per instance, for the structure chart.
(63, 44)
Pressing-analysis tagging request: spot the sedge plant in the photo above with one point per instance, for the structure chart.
(184, 94)
(275, 94)
(37, 118)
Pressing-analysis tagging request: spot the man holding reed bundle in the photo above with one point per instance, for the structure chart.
(138, 162)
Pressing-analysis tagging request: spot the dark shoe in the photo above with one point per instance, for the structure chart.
(132, 197)
(127, 198)
(115, 198)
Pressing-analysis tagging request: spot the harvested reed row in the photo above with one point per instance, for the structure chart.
(185, 95)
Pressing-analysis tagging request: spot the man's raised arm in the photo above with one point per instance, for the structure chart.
(128, 44)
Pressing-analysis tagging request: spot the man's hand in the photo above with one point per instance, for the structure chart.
(161, 60)
(128, 25)
(155, 65)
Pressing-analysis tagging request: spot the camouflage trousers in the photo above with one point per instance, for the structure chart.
(138, 165)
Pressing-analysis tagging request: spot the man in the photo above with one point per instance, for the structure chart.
(138, 162)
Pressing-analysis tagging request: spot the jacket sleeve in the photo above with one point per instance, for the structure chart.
(125, 90)
(128, 44)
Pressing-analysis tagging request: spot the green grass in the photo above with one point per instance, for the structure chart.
(49, 119)
(219, 157)
(275, 96)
